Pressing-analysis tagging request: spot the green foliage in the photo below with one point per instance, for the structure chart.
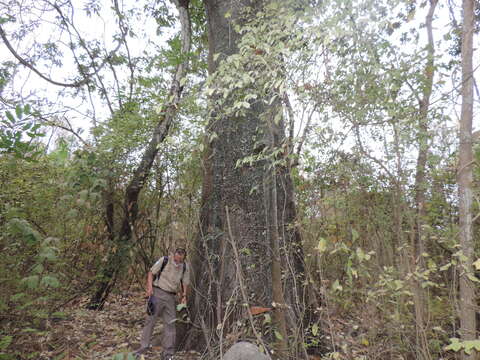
(27, 233)
(18, 132)
(122, 356)
(46, 250)
(467, 346)
(4, 356)
(5, 341)
(33, 263)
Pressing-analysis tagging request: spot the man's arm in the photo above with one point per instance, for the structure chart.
(149, 283)
(185, 284)
(184, 294)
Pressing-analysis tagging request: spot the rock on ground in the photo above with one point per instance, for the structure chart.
(244, 351)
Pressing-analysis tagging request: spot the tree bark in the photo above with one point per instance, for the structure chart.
(118, 257)
(279, 305)
(464, 179)
(247, 192)
(419, 292)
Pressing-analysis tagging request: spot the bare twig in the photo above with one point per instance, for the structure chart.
(34, 69)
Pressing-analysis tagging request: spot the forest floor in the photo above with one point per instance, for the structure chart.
(82, 334)
(86, 334)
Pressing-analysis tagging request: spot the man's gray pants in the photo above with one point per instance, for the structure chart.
(164, 305)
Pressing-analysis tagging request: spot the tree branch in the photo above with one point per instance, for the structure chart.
(31, 67)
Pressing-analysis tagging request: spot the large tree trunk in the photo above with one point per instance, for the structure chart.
(464, 179)
(118, 258)
(259, 223)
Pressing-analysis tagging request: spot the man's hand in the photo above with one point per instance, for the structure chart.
(149, 292)
(182, 298)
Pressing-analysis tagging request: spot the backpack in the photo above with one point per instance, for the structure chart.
(164, 263)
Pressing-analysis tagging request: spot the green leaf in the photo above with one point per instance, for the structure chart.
(3, 21)
(48, 253)
(10, 117)
(180, 307)
(360, 254)
(72, 213)
(315, 329)
(322, 245)
(476, 264)
(17, 297)
(455, 345)
(59, 315)
(83, 194)
(5, 342)
(19, 112)
(471, 344)
(355, 235)
(278, 117)
(51, 281)
(278, 335)
(31, 281)
(426, 284)
(446, 267)
(37, 269)
(26, 305)
(336, 286)
(3, 306)
(50, 240)
(398, 284)
(23, 227)
(4, 356)
(473, 278)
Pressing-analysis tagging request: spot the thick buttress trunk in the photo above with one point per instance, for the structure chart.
(263, 237)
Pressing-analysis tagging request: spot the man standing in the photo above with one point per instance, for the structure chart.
(164, 280)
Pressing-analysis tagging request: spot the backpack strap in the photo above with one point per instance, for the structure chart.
(183, 273)
(164, 263)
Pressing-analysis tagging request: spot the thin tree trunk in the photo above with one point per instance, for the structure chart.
(464, 179)
(110, 209)
(118, 258)
(420, 299)
(279, 307)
